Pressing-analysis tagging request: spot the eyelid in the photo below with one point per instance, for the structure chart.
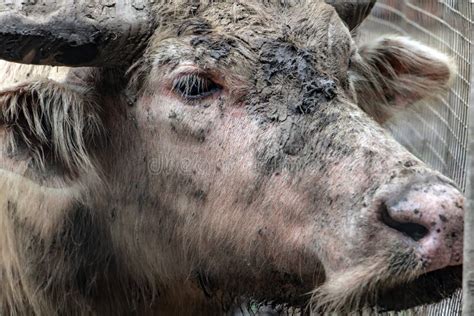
(185, 68)
(194, 86)
(232, 85)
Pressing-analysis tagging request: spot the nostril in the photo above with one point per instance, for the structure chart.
(413, 230)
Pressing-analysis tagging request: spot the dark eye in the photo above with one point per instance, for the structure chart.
(195, 86)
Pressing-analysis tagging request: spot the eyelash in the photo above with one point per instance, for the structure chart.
(195, 87)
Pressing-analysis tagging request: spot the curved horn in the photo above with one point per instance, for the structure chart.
(74, 33)
(352, 12)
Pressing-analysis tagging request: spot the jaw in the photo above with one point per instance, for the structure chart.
(428, 288)
(383, 294)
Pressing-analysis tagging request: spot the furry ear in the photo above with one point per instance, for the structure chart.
(49, 124)
(394, 72)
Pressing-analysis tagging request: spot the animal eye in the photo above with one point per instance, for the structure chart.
(195, 86)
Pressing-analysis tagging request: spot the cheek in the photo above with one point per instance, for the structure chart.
(208, 143)
(230, 145)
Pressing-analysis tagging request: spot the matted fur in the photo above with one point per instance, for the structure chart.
(48, 121)
(349, 291)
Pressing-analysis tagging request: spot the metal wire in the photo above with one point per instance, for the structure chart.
(436, 131)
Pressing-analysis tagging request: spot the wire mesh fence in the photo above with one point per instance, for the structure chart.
(435, 131)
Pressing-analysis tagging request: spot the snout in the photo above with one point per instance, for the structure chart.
(428, 216)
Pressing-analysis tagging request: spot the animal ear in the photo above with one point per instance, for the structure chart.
(49, 124)
(394, 72)
(353, 13)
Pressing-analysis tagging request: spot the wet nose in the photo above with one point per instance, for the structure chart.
(431, 216)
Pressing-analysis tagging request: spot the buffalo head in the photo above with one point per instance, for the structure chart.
(213, 153)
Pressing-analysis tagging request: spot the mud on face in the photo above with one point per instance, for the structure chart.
(285, 123)
(249, 164)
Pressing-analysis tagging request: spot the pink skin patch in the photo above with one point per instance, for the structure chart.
(439, 209)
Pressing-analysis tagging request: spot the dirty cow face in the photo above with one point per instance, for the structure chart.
(239, 158)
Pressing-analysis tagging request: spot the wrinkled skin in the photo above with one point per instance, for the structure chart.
(274, 186)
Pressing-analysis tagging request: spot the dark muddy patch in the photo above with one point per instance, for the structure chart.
(294, 64)
(216, 48)
(293, 96)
